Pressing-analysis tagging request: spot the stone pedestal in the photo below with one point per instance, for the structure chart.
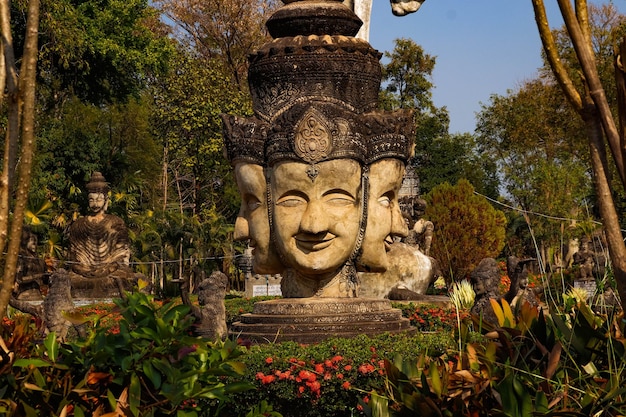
(311, 320)
(263, 285)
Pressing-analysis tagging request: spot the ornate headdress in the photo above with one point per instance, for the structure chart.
(97, 184)
(315, 93)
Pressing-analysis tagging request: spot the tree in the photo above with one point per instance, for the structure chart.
(19, 131)
(467, 228)
(99, 51)
(223, 32)
(536, 142)
(583, 88)
(439, 156)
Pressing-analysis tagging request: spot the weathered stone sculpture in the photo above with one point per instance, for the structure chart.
(55, 305)
(210, 315)
(319, 134)
(485, 278)
(31, 276)
(318, 167)
(99, 252)
(519, 292)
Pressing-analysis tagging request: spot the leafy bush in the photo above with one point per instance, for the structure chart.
(151, 367)
(467, 228)
(567, 363)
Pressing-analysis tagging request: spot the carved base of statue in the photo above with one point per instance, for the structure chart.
(311, 320)
(109, 286)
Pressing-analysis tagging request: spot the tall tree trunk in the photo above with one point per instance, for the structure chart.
(27, 97)
(11, 132)
(610, 219)
(592, 106)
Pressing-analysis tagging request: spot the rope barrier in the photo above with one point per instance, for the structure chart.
(547, 216)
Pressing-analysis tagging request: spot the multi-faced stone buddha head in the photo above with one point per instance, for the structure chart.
(318, 167)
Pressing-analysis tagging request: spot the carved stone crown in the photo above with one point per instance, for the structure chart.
(314, 56)
(315, 93)
(244, 139)
(97, 183)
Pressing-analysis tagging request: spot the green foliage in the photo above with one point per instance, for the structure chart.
(407, 76)
(151, 366)
(328, 378)
(449, 158)
(99, 51)
(567, 363)
(439, 156)
(186, 120)
(467, 228)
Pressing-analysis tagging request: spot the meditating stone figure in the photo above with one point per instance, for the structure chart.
(99, 252)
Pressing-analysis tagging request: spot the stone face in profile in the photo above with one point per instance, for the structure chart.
(385, 220)
(252, 222)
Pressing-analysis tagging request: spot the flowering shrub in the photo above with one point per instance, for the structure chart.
(330, 378)
(431, 318)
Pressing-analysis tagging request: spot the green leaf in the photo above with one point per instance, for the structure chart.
(52, 346)
(153, 375)
(134, 394)
(25, 363)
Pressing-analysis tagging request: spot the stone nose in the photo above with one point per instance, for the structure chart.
(242, 229)
(398, 225)
(314, 219)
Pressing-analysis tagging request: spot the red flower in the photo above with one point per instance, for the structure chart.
(337, 358)
(307, 376)
(339, 376)
(319, 368)
(366, 368)
(346, 385)
(269, 360)
(268, 379)
(347, 368)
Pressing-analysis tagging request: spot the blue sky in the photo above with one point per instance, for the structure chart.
(482, 47)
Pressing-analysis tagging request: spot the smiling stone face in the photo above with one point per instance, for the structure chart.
(252, 221)
(316, 218)
(384, 218)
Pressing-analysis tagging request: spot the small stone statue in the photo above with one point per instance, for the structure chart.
(31, 274)
(57, 302)
(584, 258)
(519, 292)
(484, 279)
(99, 252)
(211, 314)
(420, 230)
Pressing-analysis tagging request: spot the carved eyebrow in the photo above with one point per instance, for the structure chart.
(294, 193)
(339, 191)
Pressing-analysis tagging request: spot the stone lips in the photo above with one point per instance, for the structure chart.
(290, 70)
